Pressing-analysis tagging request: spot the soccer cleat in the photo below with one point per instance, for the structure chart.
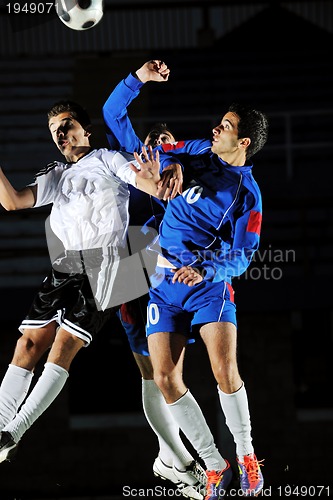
(251, 478)
(218, 482)
(179, 478)
(7, 446)
(193, 475)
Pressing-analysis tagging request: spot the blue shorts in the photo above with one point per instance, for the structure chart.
(179, 308)
(133, 319)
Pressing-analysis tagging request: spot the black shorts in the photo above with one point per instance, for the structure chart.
(67, 297)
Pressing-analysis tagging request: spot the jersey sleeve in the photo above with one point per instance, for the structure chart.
(238, 256)
(119, 165)
(46, 181)
(119, 129)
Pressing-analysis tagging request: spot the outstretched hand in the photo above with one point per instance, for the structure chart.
(149, 164)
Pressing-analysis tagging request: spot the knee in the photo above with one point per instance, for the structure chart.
(171, 385)
(165, 382)
(67, 341)
(30, 344)
(144, 365)
(227, 376)
(29, 349)
(64, 349)
(147, 372)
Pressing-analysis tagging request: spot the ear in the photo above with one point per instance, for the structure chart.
(245, 142)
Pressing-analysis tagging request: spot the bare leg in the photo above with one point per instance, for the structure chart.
(167, 353)
(16, 382)
(221, 343)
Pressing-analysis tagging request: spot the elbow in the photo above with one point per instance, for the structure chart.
(105, 111)
(9, 207)
(108, 112)
(12, 204)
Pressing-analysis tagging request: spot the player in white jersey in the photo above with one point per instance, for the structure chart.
(89, 216)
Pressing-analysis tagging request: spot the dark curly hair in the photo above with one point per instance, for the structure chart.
(253, 124)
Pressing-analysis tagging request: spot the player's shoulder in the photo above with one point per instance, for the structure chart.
(117, 161)
(50, 168)
(111, 153)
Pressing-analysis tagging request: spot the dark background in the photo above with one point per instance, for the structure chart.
(94, 439)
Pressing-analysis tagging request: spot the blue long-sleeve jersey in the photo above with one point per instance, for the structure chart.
(215, 224)
(120, 132)
(143, 209)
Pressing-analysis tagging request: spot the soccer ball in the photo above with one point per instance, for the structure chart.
(79, 14)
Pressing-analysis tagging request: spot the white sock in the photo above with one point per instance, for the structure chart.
(42, 395)
(191, 421)
(172, 449)
(236, 410)
(13, 390)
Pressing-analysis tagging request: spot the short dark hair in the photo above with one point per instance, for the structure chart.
(76, 110)
(154, 133)
(253, 124)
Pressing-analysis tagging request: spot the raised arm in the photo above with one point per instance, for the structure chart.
(11, 199)
(120, 131)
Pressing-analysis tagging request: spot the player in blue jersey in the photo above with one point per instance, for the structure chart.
(196, 147)
(208, 236)
(174, 462)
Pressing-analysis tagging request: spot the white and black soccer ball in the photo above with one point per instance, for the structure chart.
(79, 15)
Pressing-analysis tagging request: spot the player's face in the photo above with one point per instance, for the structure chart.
(68, 134)
(225, 136)
(164, 138)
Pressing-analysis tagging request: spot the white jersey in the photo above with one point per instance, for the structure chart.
(90, 199)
